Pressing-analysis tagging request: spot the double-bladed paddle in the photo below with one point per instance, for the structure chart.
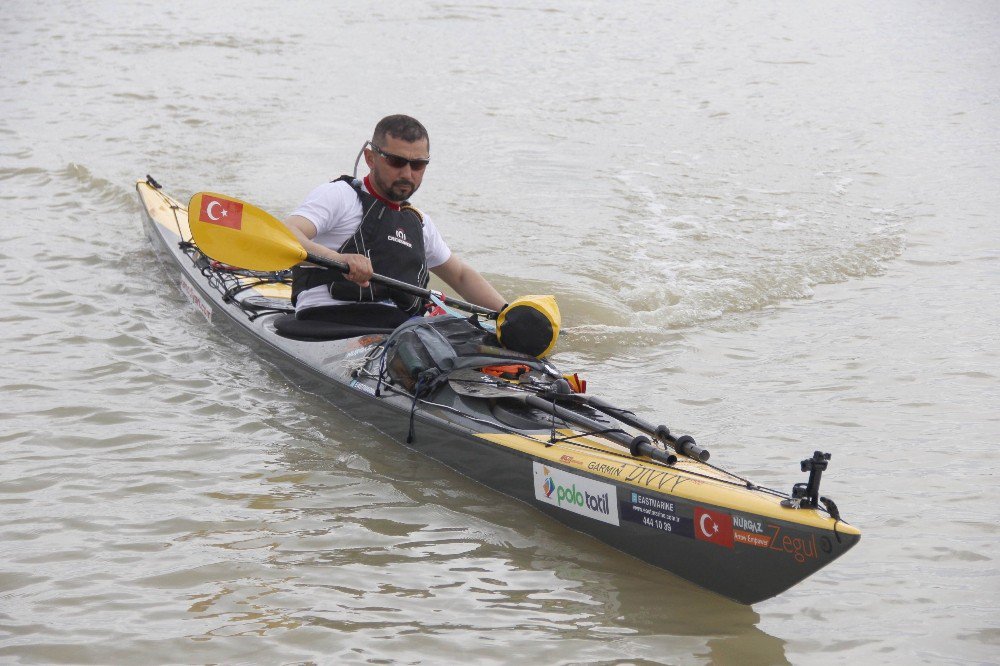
(240, 234)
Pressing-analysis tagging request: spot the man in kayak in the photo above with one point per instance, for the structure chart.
(370, 226)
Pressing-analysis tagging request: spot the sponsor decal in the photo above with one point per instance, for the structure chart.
(360, 345)
(608, 470)
(749, 531)
(747, 524)
(658, 514)
(569, 459)
(655, 479)
(364, 388)
(721, 528)
(713, 526)
(400, 238)
(751, 539)
(198, 301)
(548, 486)
(799, 547)
(574, 493)
(662, 505)
(222, 212)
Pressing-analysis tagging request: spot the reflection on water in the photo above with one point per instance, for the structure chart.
(396, 551)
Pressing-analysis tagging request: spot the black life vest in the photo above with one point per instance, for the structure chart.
(394, 242)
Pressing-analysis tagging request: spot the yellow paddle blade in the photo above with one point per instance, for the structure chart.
(240, 234)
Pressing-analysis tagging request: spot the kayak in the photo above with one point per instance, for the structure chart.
(442, 386)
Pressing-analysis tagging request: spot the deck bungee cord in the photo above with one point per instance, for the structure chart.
(227, 279)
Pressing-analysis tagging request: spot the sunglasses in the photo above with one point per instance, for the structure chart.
(398, 162)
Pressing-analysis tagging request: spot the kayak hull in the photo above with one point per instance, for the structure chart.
(689, 519)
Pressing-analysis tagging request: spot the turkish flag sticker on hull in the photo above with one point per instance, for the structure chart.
(713, 526)
(222, 212)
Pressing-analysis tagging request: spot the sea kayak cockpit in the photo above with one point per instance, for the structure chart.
(308, 330)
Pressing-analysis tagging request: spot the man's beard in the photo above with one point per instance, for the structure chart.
(399, 190)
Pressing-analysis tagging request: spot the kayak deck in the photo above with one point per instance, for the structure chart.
(694, 519)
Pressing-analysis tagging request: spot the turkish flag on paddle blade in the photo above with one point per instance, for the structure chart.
(223, 212)
(713, 526)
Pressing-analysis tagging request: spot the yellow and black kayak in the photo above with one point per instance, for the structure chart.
(443, 387)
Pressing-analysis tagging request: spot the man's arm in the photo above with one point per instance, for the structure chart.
(304, 231)
(469, 284)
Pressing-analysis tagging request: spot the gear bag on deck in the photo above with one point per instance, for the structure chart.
(424, 351)
(530, 324)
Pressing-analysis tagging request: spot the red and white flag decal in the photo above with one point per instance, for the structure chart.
(713, 526)
(222, 212)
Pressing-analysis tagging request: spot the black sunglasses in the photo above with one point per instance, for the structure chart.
(398, 162)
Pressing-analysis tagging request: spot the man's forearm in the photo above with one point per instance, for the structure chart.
(476, 289)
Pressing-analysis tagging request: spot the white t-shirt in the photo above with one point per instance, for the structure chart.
(335, 210)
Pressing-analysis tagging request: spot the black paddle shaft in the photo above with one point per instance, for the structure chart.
(685, 444)
(637, 445)
(405, 287)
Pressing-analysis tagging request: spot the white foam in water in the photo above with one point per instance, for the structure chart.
(746, 249)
